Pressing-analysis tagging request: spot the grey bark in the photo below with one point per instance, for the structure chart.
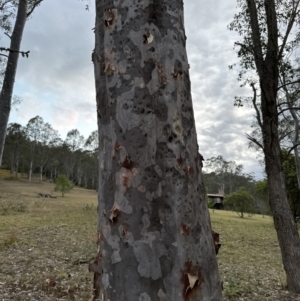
(155, 240)
(267, 68)
(10, 72)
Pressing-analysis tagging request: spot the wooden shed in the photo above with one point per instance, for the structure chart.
(216, 200)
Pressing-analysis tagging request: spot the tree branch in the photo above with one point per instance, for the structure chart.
(245, 47)
(288, 30)
(38, 2)
(254, 141)
(7, 35)
(292, 148)
(255, 106)
(287, 109)
(290, 83)
(255, 34)
(23, 53)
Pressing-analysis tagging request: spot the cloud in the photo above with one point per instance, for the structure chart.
(57, 80)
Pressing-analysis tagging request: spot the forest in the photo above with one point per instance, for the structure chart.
(38, 148)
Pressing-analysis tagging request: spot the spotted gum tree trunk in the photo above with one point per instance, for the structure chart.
(155, 240)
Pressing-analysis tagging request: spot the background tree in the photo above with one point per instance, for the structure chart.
(241, 201)
(225, 175)
(261, 197)
(63, 184)
(14, 143)
(265, 27)
(155, 236)
(291, 180)
(7, 13)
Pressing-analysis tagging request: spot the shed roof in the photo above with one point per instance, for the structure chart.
(215, 195)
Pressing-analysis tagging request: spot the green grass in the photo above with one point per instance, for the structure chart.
(43, 241)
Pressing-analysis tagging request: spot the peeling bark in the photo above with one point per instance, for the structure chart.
(154, 223)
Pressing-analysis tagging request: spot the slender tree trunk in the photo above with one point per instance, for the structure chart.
(10, 72)
(41, 173)
(267, 66)
(297, 163)
(155, 239)
(30, 171)
(285, 226)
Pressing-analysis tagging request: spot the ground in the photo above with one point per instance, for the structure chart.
(46, 244)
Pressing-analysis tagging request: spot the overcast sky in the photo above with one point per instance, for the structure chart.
(56, 82)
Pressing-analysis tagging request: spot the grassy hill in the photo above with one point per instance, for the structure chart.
(45, 244)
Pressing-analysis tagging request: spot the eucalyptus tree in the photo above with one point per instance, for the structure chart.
(92, 145)
(266, 28)
(155, 240)
(74, 143)
(13, 147)
(226, 174)
(48, 139)
(33, 132)
(8, 16)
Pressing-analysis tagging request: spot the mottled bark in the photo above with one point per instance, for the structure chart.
(155, 240)
(267, 68)
(10, 72)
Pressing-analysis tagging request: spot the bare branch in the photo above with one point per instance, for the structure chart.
(292, 148)
(33, 7)
(245, 47)
(288, 109)
(23, 53)
(290, 83)
(7, 35)
(254, 140)
(255, 33)
(255, 106)
(289, 28)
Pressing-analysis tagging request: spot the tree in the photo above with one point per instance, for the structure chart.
(265, 27)
(155, 239)
(225, 175)
(241, 201)
(291, 181)
(63, 184)
(14, 141)
(261, 197)
(25, 9)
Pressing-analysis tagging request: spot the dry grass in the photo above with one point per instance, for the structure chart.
(45, 243)
(42, 245)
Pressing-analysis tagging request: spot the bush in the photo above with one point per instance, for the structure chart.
(63, 184)
(241, 200)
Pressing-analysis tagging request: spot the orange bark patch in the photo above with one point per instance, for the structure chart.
(185, 229)
(189, 170)
(126, 182)
(114, 213)
(117, 146)
(110, 18)
(125, 229)
(191, 279)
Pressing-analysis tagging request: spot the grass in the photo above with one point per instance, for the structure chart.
(45, 243)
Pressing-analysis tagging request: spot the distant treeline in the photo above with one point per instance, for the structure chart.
(38, 148)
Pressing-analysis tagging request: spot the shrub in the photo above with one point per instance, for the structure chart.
(241, 200)
(63, 184)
